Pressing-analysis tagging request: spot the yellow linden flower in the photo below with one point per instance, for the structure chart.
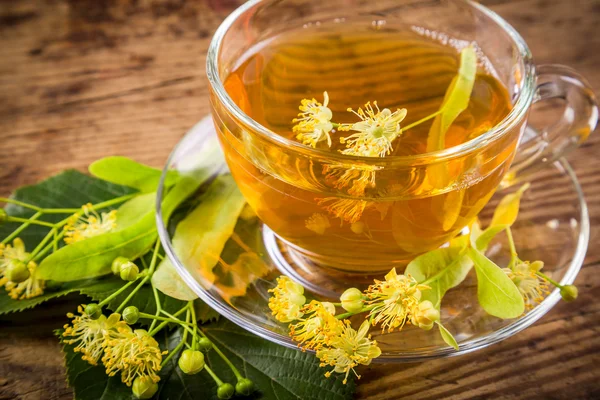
(133, 353)
(424, 315)
(287, 300)
(375, 132)
(349, 349)
(394, 300)
(89, 224)
(346, 209)
(313, 124)
(317, 327)
(318, 223)
(27, 288)
(532, 286)
(91, 335)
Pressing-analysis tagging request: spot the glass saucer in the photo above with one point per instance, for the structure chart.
(553, 226)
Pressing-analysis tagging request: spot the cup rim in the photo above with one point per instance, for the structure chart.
(523, 101)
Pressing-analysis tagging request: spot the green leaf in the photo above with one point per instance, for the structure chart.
(447, 267)
(135, 209)
(447, 336)
(204, 313)
(278, 372)
(483, 238)
(8, 305)
(167, 280)
(201, 236)
(93, 257)
(497, 294)
(126, 172)
(69, 189)
(508, 209)
(456, 99)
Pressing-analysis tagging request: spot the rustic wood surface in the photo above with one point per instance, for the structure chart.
(82, 79)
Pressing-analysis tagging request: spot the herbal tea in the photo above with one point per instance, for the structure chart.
(356, 215)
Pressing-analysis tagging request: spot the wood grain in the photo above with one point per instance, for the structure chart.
(81, 79)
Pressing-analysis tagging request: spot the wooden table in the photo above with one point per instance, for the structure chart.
(82, 79)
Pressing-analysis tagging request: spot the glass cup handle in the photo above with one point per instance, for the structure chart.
(539, 147)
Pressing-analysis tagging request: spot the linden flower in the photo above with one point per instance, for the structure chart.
(89, 224)
(424, 315)
(375, 132)
(27, 288)
(287, 300)
(346, 209)
(349, 349)
(318, 326)
(394, 300)
(313, 124)
(134, 353)
(532, 286)
(91, 335)
(318, 223)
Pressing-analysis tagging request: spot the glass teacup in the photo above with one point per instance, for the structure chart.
(295, 189)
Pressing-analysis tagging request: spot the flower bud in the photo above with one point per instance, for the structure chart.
(352, 300)
(244, 387)
(117, 263)
(3, 216)
(129, 271)
(205, 344)
(424, 315)
(144, 387)
(17, 271)
(93, 310)
(569, 292)
(131, 315)
(225, 391)
(191, 361)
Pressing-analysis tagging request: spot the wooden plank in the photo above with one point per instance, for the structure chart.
(80, 80)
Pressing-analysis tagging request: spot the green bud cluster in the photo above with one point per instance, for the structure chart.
(124, 268)
(131, 315)
(93, 310)
(191, 361)
(17, 271)
(144, 387)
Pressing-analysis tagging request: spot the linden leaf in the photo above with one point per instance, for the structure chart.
(446, 267)
(200, 237)
(447, 336)
(233, 280)
(135, 209)
(496, 292)
(507, 210)
(126, 172)
(483, 238)
(456, 99)
(167, 280)
(93, 257)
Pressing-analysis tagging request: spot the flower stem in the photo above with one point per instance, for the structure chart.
(115, 294)
(511, 244)
(163, 324)
(349, 314)
(49, 247)
(158, 306)
(159, 318)
(435, 114)
(213, 375)
(195, 333)
(179, 345)
(20, 203)
(22, 227)
(546, 277)
(31, 221)
(41, 244)
(133, 292)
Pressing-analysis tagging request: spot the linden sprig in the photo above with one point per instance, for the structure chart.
(401, 299)
(111, 340)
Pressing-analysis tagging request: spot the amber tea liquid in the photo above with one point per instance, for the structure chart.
(399, 216)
